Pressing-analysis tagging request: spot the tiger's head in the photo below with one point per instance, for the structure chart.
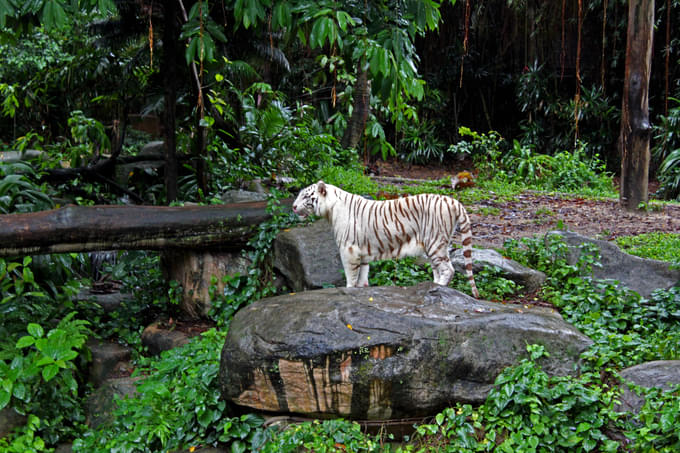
(309, 200)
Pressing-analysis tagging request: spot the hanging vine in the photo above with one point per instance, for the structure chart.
(465, 41)
(604, 43)
(577, 96)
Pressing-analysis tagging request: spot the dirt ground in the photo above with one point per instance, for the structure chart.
(531, 213)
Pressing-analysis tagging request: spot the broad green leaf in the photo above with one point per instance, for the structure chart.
(4, 398)
(25, 342)
(35, 330)
(282, 16)
(49, 372)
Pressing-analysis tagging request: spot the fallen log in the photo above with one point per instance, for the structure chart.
(91, 228)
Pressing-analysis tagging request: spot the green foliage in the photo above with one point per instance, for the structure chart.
(327, 435)
(528, 411)
(551, 122)
(655, 245)
(408, 272)
(352, 180)
(565, 171)
(626, 328)
(19, 190)
(276, 140)
(242, 290)
(39, 377)
(654, 428)
(201, 32)
(149, 296)
(176, 407)
(89, 137)
(419, 143)
(666, 150)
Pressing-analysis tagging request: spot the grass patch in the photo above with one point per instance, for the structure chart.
(656, 245)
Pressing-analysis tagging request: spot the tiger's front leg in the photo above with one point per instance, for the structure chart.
(363, 275)
(351, 263)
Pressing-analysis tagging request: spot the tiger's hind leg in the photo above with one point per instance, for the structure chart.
(443, 271)
(441, 266)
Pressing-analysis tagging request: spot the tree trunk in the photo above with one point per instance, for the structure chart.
(635, 127)
(89, 228)
(361, 106)
(169, 74)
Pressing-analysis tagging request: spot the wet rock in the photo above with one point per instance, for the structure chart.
(159, 337)
(107, 360)
(242, 196)
(102, 402)
(9, 420)
(308, 257)
(382, 352)
(110, 302)
(639, 274)
(662, 374)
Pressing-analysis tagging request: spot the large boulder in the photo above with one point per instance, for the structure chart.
(639, 274)
(382, 352)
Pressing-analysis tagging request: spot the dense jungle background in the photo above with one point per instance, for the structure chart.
(511, 98)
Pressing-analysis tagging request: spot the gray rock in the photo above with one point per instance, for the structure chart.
(153, 148)
(107, 359)
(9, 420)
(530, 279)
(662, 374)
(102, 402)
(110, 302)
(242, 196)
(158, 337)
(308, 257)
(639, 274)
(382, 352)
(18, 156)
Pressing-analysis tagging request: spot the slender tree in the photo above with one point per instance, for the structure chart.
(635, 126)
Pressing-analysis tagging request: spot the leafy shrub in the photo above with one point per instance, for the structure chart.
(274, 139)
(527, 410)
(352, 180)
(177, 406)
(565, 171)
(626, 328)
(666, 150)
(327, 435)
(19, 190)
(241, 290)
(419, 143)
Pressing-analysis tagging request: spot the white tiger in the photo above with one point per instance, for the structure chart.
(368, 230)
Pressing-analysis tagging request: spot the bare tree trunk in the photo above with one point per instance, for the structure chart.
(169, 71)
(362, 104)
(635, 127)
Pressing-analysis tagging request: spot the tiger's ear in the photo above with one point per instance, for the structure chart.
(321, 188)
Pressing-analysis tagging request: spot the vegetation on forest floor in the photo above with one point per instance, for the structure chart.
(69, 89)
